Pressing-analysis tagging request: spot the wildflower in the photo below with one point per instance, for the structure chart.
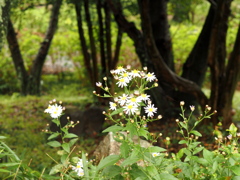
(134, 101)
(78, 169)
(119, 70)
(182, 103)
(144, 97)
(192, 108)
(49, 109)
(130, 109)
(150, 77)
(54, 110)
(98, 84)
(150, 109)
(229, 136)
(135, 73)
(113, 106)
(123, 99)
(126, 76)
(122, 82)
(155, 154)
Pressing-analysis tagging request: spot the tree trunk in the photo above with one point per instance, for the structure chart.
(17, 58)
(86, 55)
(36, 71)
(160, 30)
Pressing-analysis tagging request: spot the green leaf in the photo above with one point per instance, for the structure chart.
(179, 154)
(196, 133)
(236, 169)
(117, 111)
(183, 124)
(106, 95)
(54, 143)
(66, 147)
(5, 171)
(197, 150)
(2, 137)
(9, 164)
(167, 176)
(111, 171)
(182, 142)
(153, 149)
(54, 135)
(208, 155)
(152, 171)
(130, 160)
(143, 132)
(55, 169)
(187, 152)
(124, 149)
(70, 135)
(233, 130)
(114, 128)
(64, 159)
(72, 142)
(108, 161)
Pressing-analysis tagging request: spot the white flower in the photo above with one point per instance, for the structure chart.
(123, 99)
(134, 101)
(119, 70)
(150, 109)
(155, 154)
(144, 97)
(130, 109)
(192, 108)
(78, 168)
(56, 111)
(135, 73)
(126, 76)
(98, 84)
(113, 105)
(150, 77)
(122, 82)
(49, 109)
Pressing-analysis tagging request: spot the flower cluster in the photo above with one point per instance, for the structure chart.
(79, 168)
(131, 102)
(54, 109)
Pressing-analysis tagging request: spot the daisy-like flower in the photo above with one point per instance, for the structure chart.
(78, 168)
(130, 109)
(192, 108)
(119, 70)
(56, 111)
(133, 100)
(135, 73)
(113, 106)
(144, 97)
(150, 109)
(49, 109)
(123, 99)
(150, 77)
(122, 82)
(126, 76)
(155, 154)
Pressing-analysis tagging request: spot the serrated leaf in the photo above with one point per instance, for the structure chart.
(66, 147)
(196, 133)
(70, 135)
(107, 161)
(54, 135)
(114, 128)
(54, 143)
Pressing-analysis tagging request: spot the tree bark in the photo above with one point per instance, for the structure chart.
(86, 55)
(36, 71)
(17, 58)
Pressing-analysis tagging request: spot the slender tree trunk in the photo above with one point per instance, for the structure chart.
(36, 71)
(86, 55)
(92, 42)
(117, 49)
(17, 58)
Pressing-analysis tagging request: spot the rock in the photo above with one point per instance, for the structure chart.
(108, 146)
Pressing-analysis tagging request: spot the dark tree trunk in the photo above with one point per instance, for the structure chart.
(117, 49)
(17, 58)
(101, 37)
(195, 67)
(86, 55)
(92, 43)
(36, 71)
(217, 55)
(160, 30)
